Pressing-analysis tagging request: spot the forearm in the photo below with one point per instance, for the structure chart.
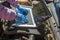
(7, 13)
(13, 2)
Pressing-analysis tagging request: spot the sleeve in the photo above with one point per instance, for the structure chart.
(13, 2)
(7, 13)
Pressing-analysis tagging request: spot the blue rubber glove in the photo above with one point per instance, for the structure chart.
(21, 19)
(21, 15)
(22, 10)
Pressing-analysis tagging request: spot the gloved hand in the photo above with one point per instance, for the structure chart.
(22, 10)
(21, 19)
(21, 15)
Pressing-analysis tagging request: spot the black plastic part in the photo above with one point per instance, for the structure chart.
(6, 4)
